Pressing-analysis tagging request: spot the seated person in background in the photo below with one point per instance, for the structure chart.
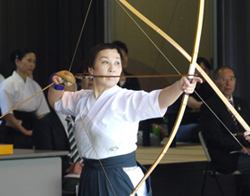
(17, 126)
(85, 83)
(51, 133)
(203, 90)
(189, 132)
(220, 142)
(128, 83)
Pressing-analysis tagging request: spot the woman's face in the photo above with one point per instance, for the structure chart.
(107, 63)
(27, 64)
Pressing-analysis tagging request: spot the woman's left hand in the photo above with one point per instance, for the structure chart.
(188, 85)
(247, 135)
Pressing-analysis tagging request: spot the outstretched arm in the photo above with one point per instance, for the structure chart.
(169, 94)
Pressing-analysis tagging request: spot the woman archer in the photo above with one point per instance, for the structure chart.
(107, 119)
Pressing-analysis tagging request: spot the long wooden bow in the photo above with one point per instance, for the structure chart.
(189, 58)
(191, 71)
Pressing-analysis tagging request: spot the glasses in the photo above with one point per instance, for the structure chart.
(228, 79)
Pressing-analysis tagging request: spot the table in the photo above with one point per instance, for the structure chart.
(182, 153)
(31, 172)
(169, 119)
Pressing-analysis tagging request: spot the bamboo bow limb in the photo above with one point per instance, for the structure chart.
(188, 57)
(191, 71)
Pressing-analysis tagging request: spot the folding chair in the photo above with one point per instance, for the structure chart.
(210, 169)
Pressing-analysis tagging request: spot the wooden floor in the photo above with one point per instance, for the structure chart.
(181, 172)
(182, 153)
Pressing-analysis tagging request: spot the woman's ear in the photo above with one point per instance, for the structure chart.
(17, 62)
(90, 71)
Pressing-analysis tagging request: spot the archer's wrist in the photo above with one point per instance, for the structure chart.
(56, 86)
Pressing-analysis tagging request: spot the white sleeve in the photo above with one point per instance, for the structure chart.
(67, 104)
(141, 105)
(6, 98)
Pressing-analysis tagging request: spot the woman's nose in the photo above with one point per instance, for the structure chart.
(111, 69)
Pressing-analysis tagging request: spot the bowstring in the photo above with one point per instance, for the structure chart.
(99, 160)
(223, 124)
(153, 43)
(80, 36)
(175, 68)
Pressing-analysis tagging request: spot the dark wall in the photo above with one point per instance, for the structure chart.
(233, 41)
(51, 28)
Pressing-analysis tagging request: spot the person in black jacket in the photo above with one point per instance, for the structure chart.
(50, 133)
(188, 132)
(219, 141)
(128, 83)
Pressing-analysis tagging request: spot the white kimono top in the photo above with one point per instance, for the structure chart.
(108, 126)
(13, 91)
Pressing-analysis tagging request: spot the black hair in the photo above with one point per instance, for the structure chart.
(121, 45)
(216, 72)
(19, 54)
(90, 60)
(204, 61)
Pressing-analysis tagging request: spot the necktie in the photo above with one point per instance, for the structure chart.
(233, 117)
(72, 141)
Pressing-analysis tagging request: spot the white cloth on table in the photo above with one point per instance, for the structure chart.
(13, 91)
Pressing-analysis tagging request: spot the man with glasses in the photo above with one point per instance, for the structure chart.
(220, 141)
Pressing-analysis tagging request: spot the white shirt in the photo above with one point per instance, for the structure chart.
(230, 100)
(14, 90)
(108, 126)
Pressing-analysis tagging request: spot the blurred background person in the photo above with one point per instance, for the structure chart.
(188, 132)
(17, 126)
(84, 83)
(218, 124)
(203, 90)
(128, 83)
